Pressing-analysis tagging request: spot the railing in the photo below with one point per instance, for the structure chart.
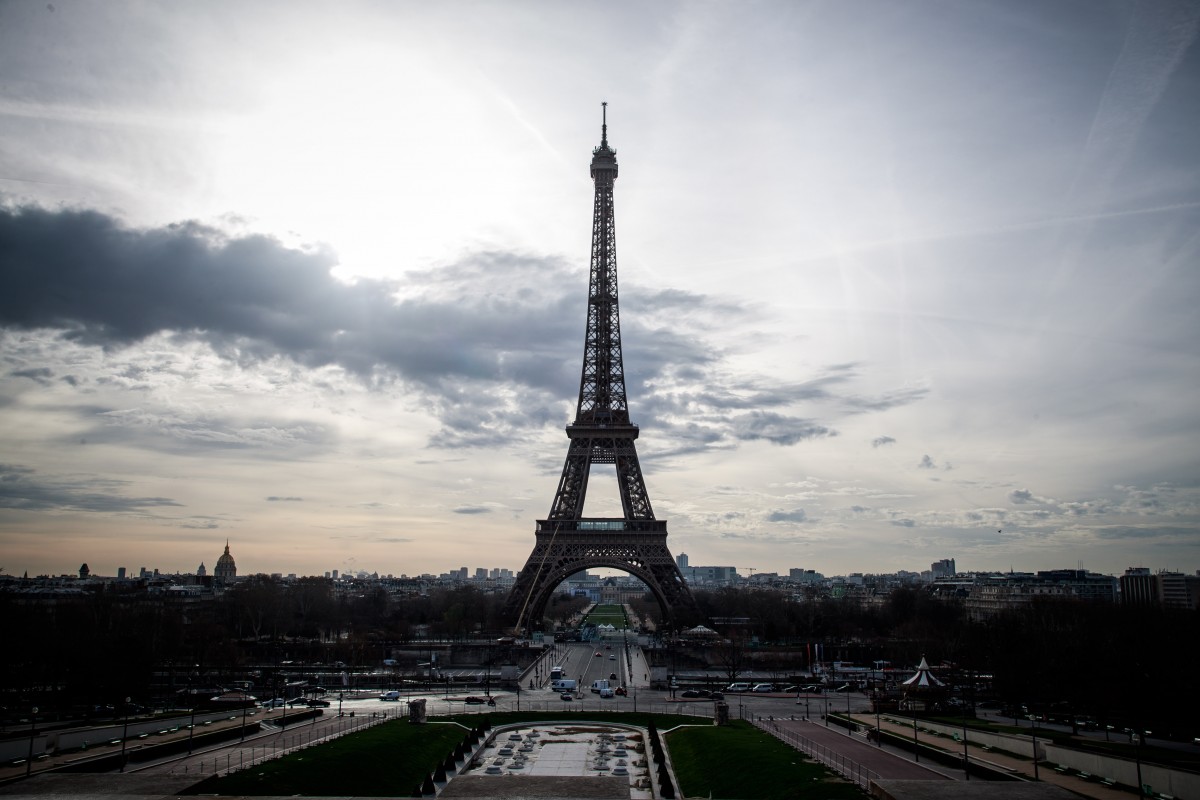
(847, 768)
(281, 744)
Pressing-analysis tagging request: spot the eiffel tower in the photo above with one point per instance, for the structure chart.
(567, 542)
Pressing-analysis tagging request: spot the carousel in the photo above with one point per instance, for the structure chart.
(923, 690)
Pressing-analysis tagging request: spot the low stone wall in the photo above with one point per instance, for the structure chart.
(1163, 779)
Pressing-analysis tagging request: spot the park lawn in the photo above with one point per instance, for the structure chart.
(608, 614)
(740, 761)
(388, 760)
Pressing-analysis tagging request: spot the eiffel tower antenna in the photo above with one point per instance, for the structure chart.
(602, 433)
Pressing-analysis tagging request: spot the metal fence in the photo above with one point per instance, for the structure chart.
(256, 751)
(847, 768)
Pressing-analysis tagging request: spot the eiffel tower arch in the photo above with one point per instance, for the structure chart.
(602, 433)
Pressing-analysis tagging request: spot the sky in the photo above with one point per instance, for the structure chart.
(899, 281)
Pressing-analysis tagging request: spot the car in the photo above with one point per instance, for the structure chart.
(612, 676)
(608, 647)
(318, 703)
(620, 690)
(277, 702)
(716, 696)
(690, 693)
(606, 692)
(598, 654)
(762, 688)
(738, 687)
(475, 701)
(790, 689)
(612, 656)
(566, 696)
(297, 701)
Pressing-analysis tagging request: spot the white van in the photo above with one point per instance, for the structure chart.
(598, 686)
(393, 696)
(763, 688)
(564, 685)
(738, 687)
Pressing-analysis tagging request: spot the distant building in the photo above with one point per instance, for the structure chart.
(121, 573)
(1177, 590)
(943, 569)
(681, 561)
(226, 569)
(1139, 587)
(84, 571)
(201, 571)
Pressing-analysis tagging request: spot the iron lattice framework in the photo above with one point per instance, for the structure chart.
(601, 434)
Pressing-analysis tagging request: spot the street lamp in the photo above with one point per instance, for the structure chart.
(912, 709)
(32, 733)
(124, 734)
(192, 726)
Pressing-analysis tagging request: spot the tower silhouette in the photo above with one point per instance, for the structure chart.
(602, 433)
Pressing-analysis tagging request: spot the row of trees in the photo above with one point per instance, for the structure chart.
(1102, 660)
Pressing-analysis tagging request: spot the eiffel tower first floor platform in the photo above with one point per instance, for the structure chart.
(565, 547)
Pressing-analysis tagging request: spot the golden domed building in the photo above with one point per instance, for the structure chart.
(226, 569)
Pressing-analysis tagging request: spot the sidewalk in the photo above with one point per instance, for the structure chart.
(1018, 766)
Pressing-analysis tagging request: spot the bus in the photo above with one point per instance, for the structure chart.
(556, 673)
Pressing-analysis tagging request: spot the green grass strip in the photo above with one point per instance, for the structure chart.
(740, 762)
(388, 760)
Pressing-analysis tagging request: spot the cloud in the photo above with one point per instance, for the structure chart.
(926, 463)
(21, 489)
(905, 523)
(489, 343)
(880, 441)
(1019, 496)
(777, 428)
(795, 515)
(41, 375)
(274, 499)
(472, 510)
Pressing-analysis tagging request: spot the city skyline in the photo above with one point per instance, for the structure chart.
(899, 283)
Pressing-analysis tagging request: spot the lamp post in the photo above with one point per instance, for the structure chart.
(878, 723)
(245, 708)
(32, 733)
(1035, 764)
(916, 744)
(124, 734)
(192, 726)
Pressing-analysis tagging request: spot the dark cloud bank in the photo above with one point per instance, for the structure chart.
(455, 333)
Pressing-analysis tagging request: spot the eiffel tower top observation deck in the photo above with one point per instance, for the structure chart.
(601, 433)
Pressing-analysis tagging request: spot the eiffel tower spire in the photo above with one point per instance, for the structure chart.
(601, 433)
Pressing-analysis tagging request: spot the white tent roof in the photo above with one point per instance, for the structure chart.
(923, 679)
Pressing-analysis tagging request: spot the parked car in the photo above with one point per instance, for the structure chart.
(318, 704)
(689, 693)
(716, 696)
(475, 701)
(762, 688)
(567, 696)
(276, 702)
